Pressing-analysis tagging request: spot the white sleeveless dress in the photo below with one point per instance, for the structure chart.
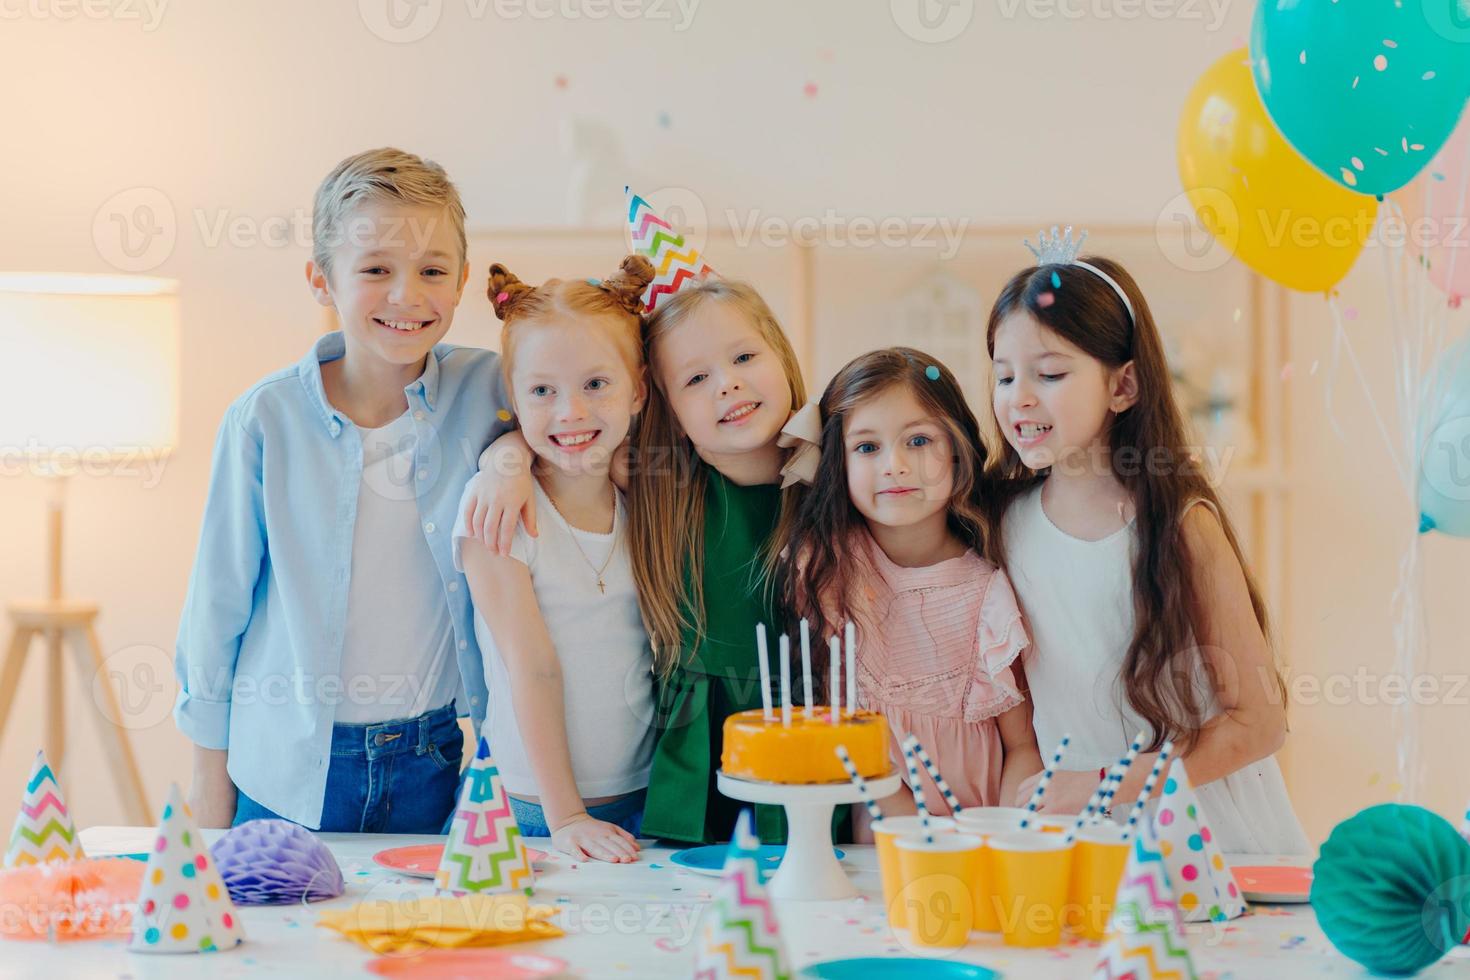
(1077, 597)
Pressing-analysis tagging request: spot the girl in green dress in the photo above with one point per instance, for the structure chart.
(706, 506)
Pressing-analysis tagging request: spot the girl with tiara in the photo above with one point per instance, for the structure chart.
(1142, 612)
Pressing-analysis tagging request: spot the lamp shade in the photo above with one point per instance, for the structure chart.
(93, 365)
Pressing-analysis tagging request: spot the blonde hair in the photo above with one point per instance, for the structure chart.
(620, 296)
(666, 502)
(380, 175)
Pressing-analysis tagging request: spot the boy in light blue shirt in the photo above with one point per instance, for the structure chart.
(326, 643)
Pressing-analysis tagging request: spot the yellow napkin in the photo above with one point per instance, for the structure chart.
(417, 924)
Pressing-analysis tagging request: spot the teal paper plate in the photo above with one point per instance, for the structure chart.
(710, 860)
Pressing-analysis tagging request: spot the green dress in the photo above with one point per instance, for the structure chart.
(717, 676)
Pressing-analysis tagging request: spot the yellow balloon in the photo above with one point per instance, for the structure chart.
(1260, 198)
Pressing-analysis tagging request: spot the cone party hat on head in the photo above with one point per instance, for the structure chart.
(184, 906)
(740, 936)
(1204, 885)
(43, 828)
(675, 262)
(485, 851)
(1145, 939)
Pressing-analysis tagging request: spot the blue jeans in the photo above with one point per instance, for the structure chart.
(626, 813)
(392, 777)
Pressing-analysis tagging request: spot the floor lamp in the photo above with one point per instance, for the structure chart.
(94, 384)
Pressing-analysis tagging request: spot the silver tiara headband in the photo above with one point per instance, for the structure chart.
(1062, 250)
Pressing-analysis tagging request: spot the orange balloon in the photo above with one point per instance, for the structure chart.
(90, 899)
(1260, 198)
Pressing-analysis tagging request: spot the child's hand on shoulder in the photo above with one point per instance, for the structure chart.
(501, 494)
(589, 838)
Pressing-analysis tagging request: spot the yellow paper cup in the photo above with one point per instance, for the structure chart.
(987, 820)
(937, 887)
(1052, 825)
(885, 832)
(1032, 874)
(1098, 860)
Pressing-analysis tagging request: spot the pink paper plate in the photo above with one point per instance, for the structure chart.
(1274, 883)
(422, 860)
(468, 964)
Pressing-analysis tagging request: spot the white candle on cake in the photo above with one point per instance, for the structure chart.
(850, 634)
(834, 693)
(760, 642)
(785, 681)
(806, 667)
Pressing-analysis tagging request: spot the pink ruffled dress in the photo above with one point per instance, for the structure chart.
(934, 655)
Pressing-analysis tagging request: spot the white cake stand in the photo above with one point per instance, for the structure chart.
(809, 872)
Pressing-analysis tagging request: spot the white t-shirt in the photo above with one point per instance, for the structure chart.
(398, 645)
(606, 659)
(1078, 600)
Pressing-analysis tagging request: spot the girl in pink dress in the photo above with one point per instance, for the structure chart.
(891, 538)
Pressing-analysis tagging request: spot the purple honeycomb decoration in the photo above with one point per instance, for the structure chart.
(276, 862)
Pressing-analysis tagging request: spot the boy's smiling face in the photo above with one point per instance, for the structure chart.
(396, 277)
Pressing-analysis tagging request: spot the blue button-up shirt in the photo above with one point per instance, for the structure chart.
(260, 640)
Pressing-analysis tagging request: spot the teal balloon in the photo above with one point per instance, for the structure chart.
(1391, 888)
(1444, 452)
(1367, 90)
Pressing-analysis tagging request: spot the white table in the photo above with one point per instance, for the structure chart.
(641, 921)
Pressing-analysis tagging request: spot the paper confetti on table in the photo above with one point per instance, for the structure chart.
(485, 851)
(740, 937)
(43, 829)
(1145, 939)
(1203, 882)
(674, 261)
(184, 906)
(444, 921)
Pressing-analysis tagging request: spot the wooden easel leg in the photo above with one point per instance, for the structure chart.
(15, 661)
(55, 700)
(114, 735)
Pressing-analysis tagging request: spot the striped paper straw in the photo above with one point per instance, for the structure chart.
(1148, 787)
(918, 788)
(860, 783)
(1107, 787)
(933, 772)
(1035, 801)
(1114, 780)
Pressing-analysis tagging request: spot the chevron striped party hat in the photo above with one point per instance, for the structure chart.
(675, 262)
(1204, 884)
(485, 851)
(741, 937)
(1145, 939)
(43, 828)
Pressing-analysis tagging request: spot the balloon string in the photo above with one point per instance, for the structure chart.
(1332, 381)
(1347, 344)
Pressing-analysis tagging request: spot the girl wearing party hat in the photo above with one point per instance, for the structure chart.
(709, 481)
(1142, 612)
(566, 656)
(891, 537)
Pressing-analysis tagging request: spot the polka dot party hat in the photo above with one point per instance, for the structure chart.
(184, 906)
(1204, 885)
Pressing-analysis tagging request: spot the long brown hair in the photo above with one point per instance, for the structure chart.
(822, 557)
(1164, 480)
(667, 479)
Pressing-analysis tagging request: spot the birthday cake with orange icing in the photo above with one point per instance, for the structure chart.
(761, 748)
